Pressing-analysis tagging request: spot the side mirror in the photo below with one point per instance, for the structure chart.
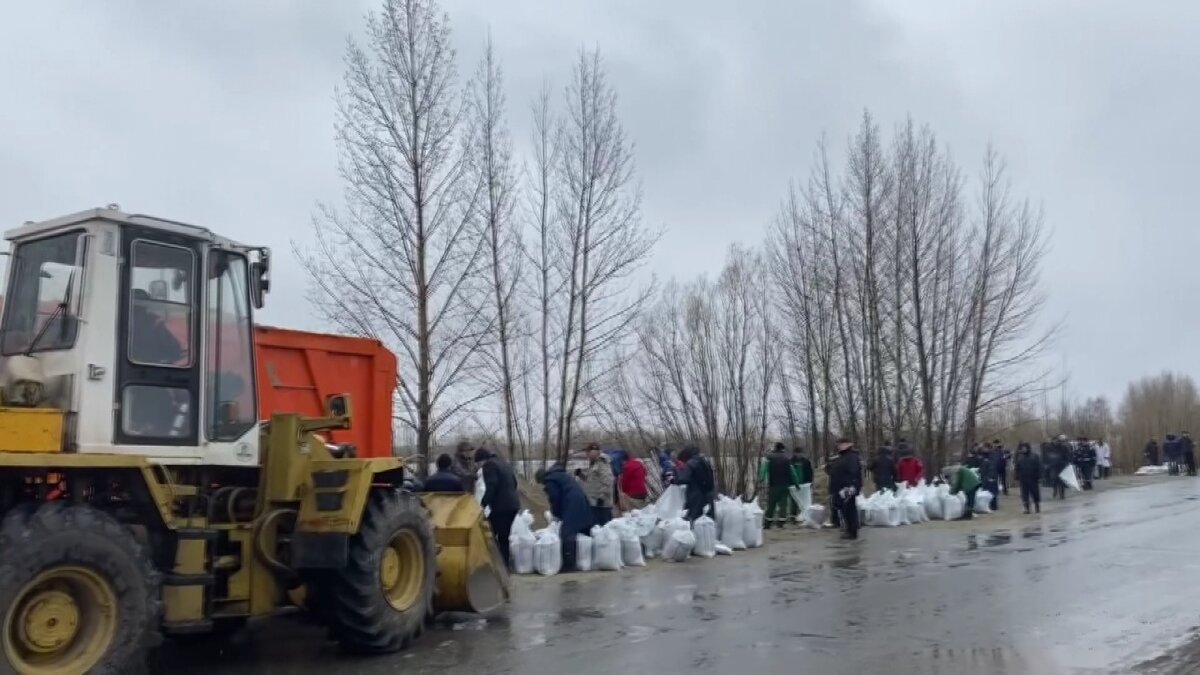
(338, 405)
(260, 277)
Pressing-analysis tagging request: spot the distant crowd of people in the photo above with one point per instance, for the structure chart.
(1178, 451)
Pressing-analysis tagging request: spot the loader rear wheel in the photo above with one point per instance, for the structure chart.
(379, 602)
(77, 593)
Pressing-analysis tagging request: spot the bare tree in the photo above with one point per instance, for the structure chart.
(601, 242)
(546, 281)
(397, 260)
(491, 150)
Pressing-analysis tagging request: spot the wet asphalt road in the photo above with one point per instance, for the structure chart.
(1096, 584)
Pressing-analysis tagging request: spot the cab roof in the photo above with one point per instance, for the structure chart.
(112, 213)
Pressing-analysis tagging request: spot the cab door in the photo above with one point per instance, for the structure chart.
(158, 364)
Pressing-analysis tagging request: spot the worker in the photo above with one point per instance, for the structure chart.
(1058, 461)
(632, 484)
(1003, 457)
(444, 480)
(1150, 453)
(964, 479)
(1085, 459)
(697, 475)
(500, 496)
(569, 506)
(1188, 451)
(777, 472)
(845, 483)
(666, 465)
(909, 469)
(989, 474)
(464, 464)
(1028, 471)
(598, 484)
(1171, 451)
(804, 475)
(883, 470)
(1103, 460)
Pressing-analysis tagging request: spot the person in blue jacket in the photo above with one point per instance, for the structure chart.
(569, 505)
(445, 480)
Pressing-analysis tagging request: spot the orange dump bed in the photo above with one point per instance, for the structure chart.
(297, 370)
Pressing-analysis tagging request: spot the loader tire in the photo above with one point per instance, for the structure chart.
(78, 593)
(378, 603)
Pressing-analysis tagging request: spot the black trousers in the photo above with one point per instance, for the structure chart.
(1004, 481)
(993, 486)
(847, 509)
(601, 515)
(1189, 460)
(969, 511)
(1031, 492)
(1060, 488)
(501, 523)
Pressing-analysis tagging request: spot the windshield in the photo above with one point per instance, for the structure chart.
(42, 275)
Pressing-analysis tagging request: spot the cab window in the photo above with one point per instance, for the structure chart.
(231, 410)
(38, 309)
(160, 310)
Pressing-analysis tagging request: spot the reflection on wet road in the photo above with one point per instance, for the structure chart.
(1089, 586)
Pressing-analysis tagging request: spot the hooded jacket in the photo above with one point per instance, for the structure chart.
(501, 494)
(598, 482)
(567, 501)
(883, 470)
(845, 471)
(964, 480)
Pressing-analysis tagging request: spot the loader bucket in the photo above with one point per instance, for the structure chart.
(472, 576)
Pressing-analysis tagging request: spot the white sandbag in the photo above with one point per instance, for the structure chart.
(913, 503)
(480, 486)
(668, 528)
(671, 502)
(752, 528)
(606, 549)
(631, 543)
(521, 543)
(1068, 476)
(953, 506)
(933, 503)
(815, 516)
(731, 523)
(802, 495)
(679, 547)
(631, 553)
(652, 542)
(1152, 470)
(583, 553)
(983, 502)
(884, 510)
(547, 553)
(705, 529)
(643, 521)
(722, 549)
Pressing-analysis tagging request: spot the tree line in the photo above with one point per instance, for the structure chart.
(894, 295)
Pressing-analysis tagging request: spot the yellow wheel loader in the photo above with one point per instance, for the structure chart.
(142, 496)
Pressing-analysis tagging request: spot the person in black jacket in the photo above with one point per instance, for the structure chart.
(779, 474)
(697, 475)
(1029, 475)
(1151, 453)
(1188, 450)
(883, 470)
(1058, 459)
(845, 482)
(444, 480)
(569, 505)
(500, 496)
(803, 469)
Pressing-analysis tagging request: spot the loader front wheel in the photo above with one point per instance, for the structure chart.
(77, 593)
(379, 602)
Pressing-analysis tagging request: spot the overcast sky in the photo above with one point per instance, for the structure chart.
(221, 114)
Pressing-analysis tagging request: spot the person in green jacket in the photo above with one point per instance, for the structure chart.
(965, 480)
(779, 474)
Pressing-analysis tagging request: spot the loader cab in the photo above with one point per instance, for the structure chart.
(142, 330)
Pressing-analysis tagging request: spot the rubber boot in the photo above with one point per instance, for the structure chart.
(1037, 508)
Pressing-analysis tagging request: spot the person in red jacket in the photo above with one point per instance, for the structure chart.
(909, 468)
(632, 483)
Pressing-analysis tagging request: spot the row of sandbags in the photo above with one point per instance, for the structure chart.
(659, 530)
